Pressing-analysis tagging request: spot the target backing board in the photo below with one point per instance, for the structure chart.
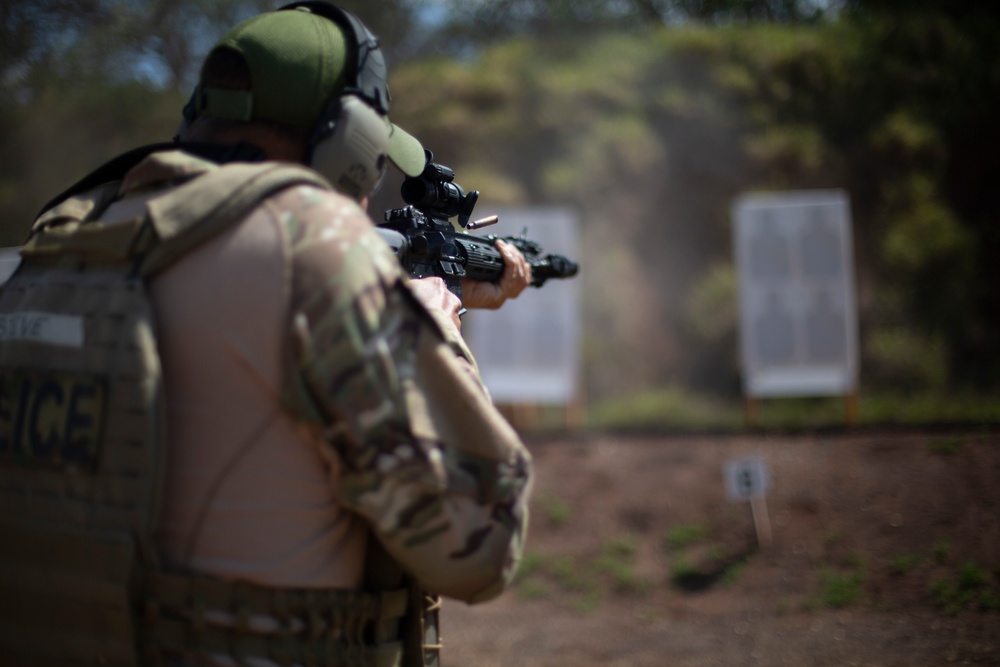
(529, 350)
(798, 312)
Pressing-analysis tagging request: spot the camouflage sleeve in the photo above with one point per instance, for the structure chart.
(425, 458)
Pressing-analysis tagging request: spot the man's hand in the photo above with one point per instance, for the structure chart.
(516, 276)
(435, 296)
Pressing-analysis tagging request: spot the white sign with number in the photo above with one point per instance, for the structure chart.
(746, 479)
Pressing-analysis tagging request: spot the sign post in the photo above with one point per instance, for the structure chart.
(749, 480)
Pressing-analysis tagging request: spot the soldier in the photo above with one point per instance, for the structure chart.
(231, 430)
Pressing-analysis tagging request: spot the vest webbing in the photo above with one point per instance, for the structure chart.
(81, 460)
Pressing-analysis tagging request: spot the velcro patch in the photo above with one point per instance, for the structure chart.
(50, 328)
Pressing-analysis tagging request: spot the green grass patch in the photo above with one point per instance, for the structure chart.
(669, 407)
(942, 551)
(989, 600)
(841, 588)
(732, 573)
(716, 552)
(617, 560)
(929, 408)
(677, 408)
(969, 587)
(685, 535)
(531, 562)
(946, 595)
(587, 580)
(945, 446)
(588, 602)
(972, 577)
(835, 536)
(570, 575)
(534, 589)
(556, 510)
(681, 568)
(904, 563)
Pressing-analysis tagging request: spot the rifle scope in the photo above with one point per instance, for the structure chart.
(435, 191)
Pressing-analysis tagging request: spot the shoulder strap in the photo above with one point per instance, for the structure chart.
(176, 222)
(198, 210)
(114, 170)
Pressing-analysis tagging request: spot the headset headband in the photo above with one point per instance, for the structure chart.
(367, 67)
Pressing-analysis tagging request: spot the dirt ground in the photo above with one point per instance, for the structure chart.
(885, 552)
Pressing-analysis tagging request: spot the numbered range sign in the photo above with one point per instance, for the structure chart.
(746, 479)
(798, 319)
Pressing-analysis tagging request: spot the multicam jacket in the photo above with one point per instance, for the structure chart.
(313, 401)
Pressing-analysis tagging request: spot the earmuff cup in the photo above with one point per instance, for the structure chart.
(353, 156)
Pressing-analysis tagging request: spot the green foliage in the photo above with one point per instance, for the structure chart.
(923, 230)
(904, 358)
(650, 132)
(651, 136)
(711, 309)
(788, 149)
(905, 138)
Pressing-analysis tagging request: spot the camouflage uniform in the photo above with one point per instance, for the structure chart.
(389, 396)
(323, 432)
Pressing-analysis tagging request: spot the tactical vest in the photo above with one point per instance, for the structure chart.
(82, 440)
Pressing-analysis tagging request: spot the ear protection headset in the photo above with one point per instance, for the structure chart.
(349, 144)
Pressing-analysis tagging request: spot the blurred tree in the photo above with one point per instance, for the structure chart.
(467, 25)
(83, 80)
(648, 114)
(161, 42)
(33, 34)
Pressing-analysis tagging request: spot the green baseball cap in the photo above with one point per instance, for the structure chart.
(298, 63)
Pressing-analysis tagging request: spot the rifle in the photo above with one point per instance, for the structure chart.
(427, 244)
